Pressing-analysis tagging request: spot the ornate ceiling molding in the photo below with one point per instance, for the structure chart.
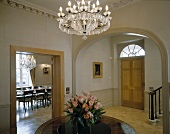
(35, 9)
(121, 3)
(29, 7)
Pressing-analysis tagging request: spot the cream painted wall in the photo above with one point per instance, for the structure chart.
(98, 52)
(22, 28)
(42, 79)
(153, 69)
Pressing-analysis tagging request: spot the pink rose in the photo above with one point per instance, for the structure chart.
(68, 105)
(70, 110)
(86, 108)
(97, 106)
(90, 114)
(84, 105)
(93, 98)
(81, 99)
(86, 116)
(84, 97)
(91, 102)
(75, 104)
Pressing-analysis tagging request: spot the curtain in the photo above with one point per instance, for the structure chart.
(32, 73)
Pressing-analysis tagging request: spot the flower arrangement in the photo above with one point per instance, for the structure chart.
(85, 110)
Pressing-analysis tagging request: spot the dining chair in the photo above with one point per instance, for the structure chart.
(40, 97)
(26, 97)
(48, 96)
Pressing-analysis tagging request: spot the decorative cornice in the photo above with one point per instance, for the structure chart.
(27, 6)
(121, 3)
(35, 9)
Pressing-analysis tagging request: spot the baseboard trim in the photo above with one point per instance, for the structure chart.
(104, 95)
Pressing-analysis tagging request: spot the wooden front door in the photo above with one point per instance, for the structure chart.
(132, 82)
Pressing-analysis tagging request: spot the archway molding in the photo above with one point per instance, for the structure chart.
(164, 58)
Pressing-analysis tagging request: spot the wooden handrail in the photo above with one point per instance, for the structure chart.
(153, 92)
(157, 89)
(153, 104)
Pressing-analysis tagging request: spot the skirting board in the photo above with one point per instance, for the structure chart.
(105, 96)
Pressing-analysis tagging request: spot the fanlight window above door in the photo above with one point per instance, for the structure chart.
(132, 51)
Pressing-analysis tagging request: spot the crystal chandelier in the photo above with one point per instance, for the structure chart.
(28, 62)
(84, 18)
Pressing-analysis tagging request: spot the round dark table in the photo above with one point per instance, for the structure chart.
(108, 125)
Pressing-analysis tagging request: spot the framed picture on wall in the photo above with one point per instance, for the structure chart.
(46, 70)
(97, 69)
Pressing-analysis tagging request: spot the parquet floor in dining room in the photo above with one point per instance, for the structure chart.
(28, 122)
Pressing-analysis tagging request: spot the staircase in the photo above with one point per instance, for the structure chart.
(155, 111)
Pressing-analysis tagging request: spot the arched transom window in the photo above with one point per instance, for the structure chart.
(132, 50)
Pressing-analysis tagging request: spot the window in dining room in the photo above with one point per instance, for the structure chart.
(23, 77)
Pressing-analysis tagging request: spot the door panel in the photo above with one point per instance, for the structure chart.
(132, 82)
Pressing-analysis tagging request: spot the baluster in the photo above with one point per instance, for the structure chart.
(159, 102)
(152, 107)
(155, 107)
(149, 107)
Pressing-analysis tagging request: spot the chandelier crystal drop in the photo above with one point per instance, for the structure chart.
(84, 18)
(28, 62)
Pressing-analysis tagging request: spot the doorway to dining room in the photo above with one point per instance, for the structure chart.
(33, 90)
(57, 84)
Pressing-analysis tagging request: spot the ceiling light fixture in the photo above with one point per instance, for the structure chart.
(84, 18)
(28, 62)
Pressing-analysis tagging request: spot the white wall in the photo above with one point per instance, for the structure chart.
(42, 79)
(18, 27)
(153, 69)
(153, 65)
(98, 52)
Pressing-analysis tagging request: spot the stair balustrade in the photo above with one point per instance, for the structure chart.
(154, 110)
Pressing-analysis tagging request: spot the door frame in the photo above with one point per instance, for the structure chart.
(120, 75)
(57, 81)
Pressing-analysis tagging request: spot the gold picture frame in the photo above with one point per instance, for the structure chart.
(46, 70)
(97, 70)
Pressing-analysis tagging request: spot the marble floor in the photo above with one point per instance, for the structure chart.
(138, 119)
(28, 122)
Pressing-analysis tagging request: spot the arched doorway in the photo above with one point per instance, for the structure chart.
(164, 59)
